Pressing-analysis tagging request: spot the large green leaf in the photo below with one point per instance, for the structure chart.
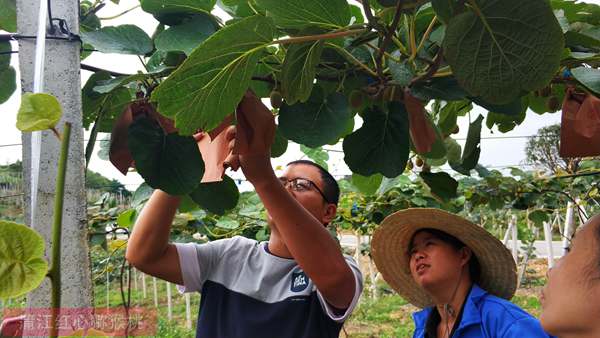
(446, 9)
(318, 155)
(367, 185)
(538, 217)
(449, 113)
(108, 106)
(110, 84)
(172, 12)
(497, 50)
(302, 13)
(512, 108)
(8, 85)
(317, 121)
(381, 145)
(402, 73)
(39, 111)
(444, 88)
(8, 15)
(299, 69)
(209, 84)
(187, 35)
(441, 185)
(170, 162)
(22, 264)
(589, 77)
(472, 149)
(124, 39)
(216, 197)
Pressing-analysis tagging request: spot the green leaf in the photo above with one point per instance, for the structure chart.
(227, 223)
(316, 122)
(505, 123)
(367, 185)
(109, 105)
(124, 39)
(388, 183)
(442, 185)
(302, 13)
(538, 217)
(209, 84)
(316, 154)
(453, 150)
(589, 77)
(187, 35)
(127, 218)
(402, 73)
(8, 85)
(450, 112)
(172, 12)
(216, 197)
(381, 145)
(444, 88)
(299, 69)
(98, 239)
(472, 149)
(171, 162)
(236, 8)
(22, 267)
(438, 148)
(512, 108)
(280, 144)
(446, 9)
(577, 39)
(498, 51)
(8, 15)
(104, 151)
(38, 112)
(578, 11)
(110, 84)
(187, 204)
(141, 194)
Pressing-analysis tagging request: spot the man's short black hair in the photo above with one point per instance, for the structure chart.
(331, 189)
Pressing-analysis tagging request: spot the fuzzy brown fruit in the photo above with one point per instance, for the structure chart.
(553, 104)
(356, 98)
(455, 130)
(419, 162)
(276, 99)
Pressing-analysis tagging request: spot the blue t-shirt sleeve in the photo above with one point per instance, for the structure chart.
(526, 326)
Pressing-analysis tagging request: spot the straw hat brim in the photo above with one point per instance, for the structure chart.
(390, 244)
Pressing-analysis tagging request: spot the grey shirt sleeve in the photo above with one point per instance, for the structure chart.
(197, 262)
(358, 281)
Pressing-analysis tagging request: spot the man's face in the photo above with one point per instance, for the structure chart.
(311, 199)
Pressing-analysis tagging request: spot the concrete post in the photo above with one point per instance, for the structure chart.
(61, 79)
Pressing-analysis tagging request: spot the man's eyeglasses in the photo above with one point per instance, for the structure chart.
(300, 184)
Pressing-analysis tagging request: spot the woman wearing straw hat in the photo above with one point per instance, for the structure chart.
(459, 274)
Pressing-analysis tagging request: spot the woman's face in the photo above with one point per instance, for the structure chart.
(571, 298)
(435, 263)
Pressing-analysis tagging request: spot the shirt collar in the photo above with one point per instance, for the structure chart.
(470, 315)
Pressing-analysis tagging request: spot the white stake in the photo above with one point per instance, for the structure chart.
(548, 238)
(155, 292)
(169, 302)
(188, 311)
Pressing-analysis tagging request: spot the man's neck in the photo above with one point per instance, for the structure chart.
(276, 245)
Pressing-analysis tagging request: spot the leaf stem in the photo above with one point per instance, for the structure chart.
(120, 14)
(412, 38)
(300, 39)
(391, 30)
(54, 271)
(426, 35)
(351, 58)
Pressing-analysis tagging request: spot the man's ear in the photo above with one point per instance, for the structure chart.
(330, 213)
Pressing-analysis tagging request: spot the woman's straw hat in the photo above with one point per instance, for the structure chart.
(390, 245)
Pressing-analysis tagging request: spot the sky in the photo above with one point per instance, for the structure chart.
(498, 150)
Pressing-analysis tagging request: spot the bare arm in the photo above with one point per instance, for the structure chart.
(148, 248)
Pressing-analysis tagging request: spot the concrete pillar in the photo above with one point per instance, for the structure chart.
(61, 79)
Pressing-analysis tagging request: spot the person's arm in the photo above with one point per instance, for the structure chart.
(306, 238)
(148, 248)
